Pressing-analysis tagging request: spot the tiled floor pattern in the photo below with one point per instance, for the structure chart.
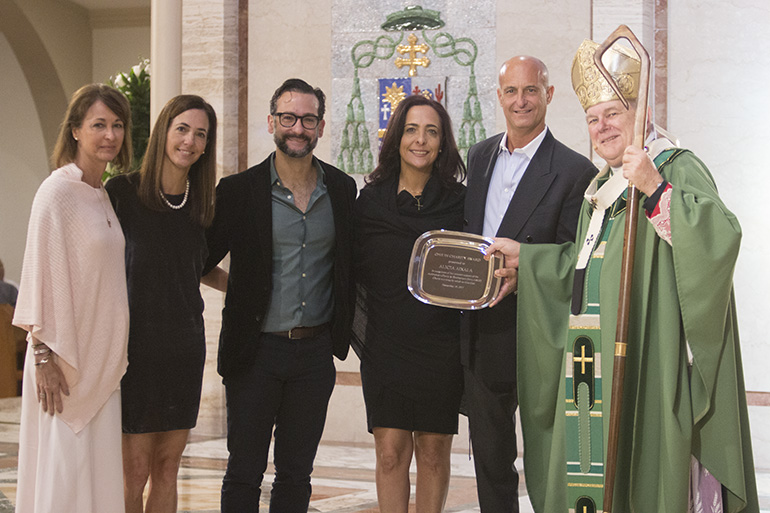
(343, 480)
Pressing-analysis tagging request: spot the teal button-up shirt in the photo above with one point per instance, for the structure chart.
(303, 257)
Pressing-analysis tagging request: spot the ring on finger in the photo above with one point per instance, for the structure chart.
(42, 395)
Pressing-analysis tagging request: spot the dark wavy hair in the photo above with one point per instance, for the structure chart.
(203, 173)
(66, 147)
(298, 85)
(448, 167)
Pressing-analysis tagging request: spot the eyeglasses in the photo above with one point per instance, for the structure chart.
(288, 120)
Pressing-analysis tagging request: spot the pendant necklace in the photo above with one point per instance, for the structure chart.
(417, 197)
(184, 201)
(100, 193)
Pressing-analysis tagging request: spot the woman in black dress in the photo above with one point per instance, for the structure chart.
(164, 209)
(410, 362)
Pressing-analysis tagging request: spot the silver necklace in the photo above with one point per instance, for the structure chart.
(184, 201)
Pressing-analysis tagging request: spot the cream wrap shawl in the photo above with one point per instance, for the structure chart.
(73, 293)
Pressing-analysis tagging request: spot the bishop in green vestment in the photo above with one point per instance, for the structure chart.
(684, 407)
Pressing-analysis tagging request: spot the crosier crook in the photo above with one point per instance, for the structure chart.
(629, 246)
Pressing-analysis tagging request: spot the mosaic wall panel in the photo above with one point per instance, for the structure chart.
(461, 52)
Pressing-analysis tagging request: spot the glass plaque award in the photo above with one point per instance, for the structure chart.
(448, 269)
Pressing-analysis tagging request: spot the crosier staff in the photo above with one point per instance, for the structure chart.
(629, 247)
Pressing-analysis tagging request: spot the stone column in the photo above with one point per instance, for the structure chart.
(165, 53)
(210, 59)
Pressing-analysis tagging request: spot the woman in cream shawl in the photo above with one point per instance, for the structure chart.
(73, 302)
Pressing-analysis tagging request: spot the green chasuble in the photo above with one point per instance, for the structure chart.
(682, 294)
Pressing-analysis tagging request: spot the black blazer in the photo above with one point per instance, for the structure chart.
(545, 208)
(243, 226)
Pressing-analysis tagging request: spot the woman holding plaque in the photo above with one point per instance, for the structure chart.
(410, 351)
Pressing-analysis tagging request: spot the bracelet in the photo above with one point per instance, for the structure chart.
(44, 360)
(37, 352)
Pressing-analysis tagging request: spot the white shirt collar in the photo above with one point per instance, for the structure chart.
(530, 149)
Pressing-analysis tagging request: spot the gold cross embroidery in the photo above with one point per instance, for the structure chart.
(413, 61)
(582, 359)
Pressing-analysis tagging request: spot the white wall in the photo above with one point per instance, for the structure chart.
(719, 106)
(23, 162)
(551, 31)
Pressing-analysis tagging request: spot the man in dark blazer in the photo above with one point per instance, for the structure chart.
(286, 224)
(525, 185)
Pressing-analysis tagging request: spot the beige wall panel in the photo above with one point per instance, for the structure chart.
(66, 34)
(116, 49)
(286, 39)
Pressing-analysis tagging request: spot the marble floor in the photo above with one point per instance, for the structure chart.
(343, 479)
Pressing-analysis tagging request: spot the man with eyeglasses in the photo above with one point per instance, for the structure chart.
(288, 308)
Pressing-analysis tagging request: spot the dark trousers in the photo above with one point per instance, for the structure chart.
(492, 423)
(288, 387)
